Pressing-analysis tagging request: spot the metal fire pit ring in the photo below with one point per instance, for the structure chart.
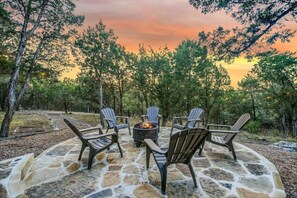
(139, 134)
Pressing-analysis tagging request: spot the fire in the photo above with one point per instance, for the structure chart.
(146, 125)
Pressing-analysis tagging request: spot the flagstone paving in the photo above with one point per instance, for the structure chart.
(57, 173)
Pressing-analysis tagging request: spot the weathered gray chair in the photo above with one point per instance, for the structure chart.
(230, 133)
(182, 146)
(96, 143)
(152, 115)
(192, 120)
(111, 119)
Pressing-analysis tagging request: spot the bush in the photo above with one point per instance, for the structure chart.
(253, 126)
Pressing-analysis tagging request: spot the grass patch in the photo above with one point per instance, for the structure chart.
(28, 120)
(267, 136)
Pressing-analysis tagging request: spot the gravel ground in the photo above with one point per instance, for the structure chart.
(285, 162)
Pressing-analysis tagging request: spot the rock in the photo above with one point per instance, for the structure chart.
(67, 162)
(69, 186)
(115, 167)
(256, 169)
(146, 191)
(183, 189)
(201, 163)
(55, 165)
(132, 180)
(244, 193)
(5, 165)
(260, 184)
(100, 156)
(219, 174)
(230, 165)
(211, 188)
(101, 194)
(3, 192)
(285, 145)
(184, 169)
(131, 169)
(110, 179)
(115, 158)
(73, 167)
(278, 181)
(60, 150)
(227, 185)
(155, 179)
(5, 173)
(247, 156)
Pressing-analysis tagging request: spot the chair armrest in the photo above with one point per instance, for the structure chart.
(222, 131)
(218, 126)
(178, 118)
(143, 117)
(153, 146)
(99, 136)
(90, 129)
(192, 120)
(124, 117)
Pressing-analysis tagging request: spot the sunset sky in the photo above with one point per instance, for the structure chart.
(158, 23)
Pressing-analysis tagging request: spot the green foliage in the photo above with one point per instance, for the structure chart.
(262, 22)
(253, 126)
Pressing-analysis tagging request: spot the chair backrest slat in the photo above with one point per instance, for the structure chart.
(194, 114)
(152, 113)
(242, 120)
(183, 144)
(108, 113)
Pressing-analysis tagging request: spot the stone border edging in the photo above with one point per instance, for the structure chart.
(15, 186)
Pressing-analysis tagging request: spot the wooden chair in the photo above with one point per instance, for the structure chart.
(182, 146)
(152, 115)
(192, 120)
(230, 133)
(111, 119)
(96, 143)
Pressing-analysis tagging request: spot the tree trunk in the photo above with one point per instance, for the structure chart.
(101, 100)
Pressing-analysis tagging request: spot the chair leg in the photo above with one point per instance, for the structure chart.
(129, 131)
(163, 173)
(171, 130)
(233, 150)
(201, 149)
(192, 173)
(120, 148)
(91, 156)
(83, 146)
(148, 155)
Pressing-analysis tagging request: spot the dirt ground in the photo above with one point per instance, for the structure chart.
(285, 162)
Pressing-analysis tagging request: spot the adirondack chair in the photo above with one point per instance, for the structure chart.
(182, 146)
(192, 120)
(230, 133)
(112, 120)
(152, 115)
(96, 143)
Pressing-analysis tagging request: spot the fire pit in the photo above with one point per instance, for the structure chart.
(143, 131)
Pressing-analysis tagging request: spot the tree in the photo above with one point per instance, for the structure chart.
(262, 22)
(277, 74)
(250, 86)
(40, 23)
(97, 48)
(188, 56)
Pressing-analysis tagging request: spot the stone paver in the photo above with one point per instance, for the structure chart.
(58, 173)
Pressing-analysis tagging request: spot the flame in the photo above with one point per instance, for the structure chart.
(146, 125)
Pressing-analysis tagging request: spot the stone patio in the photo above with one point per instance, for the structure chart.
(57, 173)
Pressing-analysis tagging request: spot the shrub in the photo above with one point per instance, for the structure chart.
(253, 126)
